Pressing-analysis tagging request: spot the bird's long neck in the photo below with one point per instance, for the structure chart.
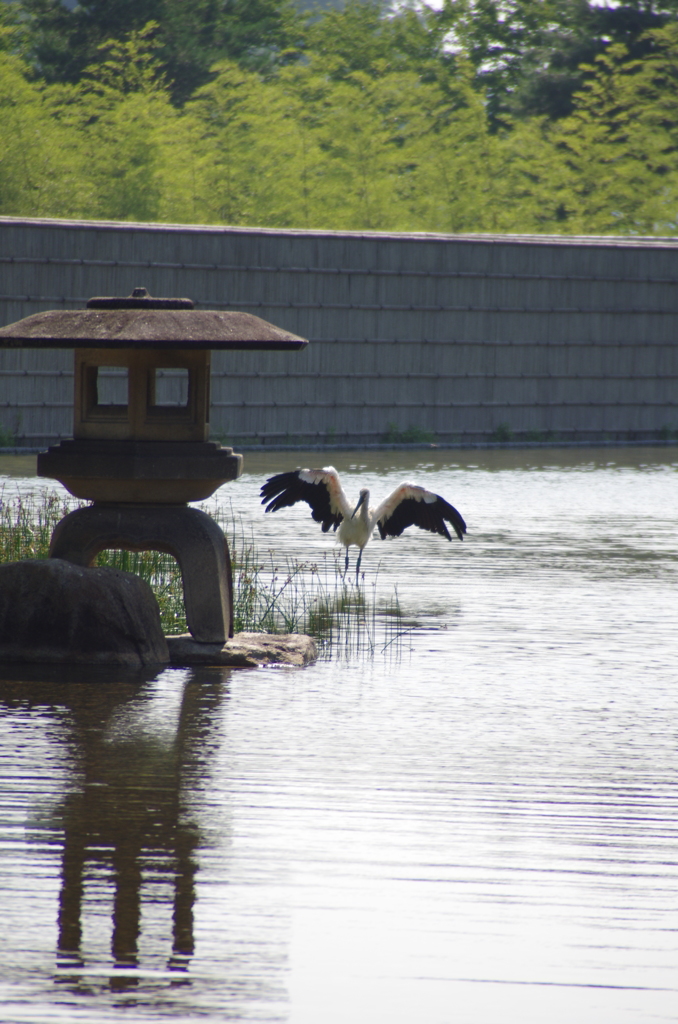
(365, 510)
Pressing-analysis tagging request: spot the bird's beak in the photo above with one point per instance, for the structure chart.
(361, 500)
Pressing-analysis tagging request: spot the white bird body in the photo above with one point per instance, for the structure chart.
(357, 528)
(407, 505)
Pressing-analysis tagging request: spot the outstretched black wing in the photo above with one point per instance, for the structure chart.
(410, 505)
(319, 488)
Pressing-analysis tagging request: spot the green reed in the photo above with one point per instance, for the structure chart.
(271, 594)
(27, 522)
(275, 594)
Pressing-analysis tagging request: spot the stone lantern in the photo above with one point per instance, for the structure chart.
(140, 450)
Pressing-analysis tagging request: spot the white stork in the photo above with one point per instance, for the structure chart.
(408, 505)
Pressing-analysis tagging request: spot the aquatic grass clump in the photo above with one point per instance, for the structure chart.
(275, 594)
(163, 574)
(350, 617)
(272, 594)
(27, 522)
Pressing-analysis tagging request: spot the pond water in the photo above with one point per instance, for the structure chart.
(477, 824)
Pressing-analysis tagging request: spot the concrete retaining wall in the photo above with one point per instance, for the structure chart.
(457, 338)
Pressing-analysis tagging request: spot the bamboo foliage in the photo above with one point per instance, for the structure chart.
(315, 145)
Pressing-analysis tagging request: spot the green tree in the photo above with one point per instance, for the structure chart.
(619, 150)
(61, 43)
(369, 149)
(214, 173)
(117, 114)
(464, 178)
(528, 54)
(38, 167)
(373, 37)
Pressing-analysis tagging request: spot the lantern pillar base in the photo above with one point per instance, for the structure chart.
(189, 535)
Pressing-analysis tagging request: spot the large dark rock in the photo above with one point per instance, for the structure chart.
(54, 612)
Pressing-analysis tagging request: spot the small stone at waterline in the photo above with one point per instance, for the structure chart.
(54, 612)
(245, 650)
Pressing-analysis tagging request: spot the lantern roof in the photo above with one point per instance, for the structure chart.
(142, 321)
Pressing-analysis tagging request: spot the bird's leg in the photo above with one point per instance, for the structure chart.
(357, 564)
(346, 563)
